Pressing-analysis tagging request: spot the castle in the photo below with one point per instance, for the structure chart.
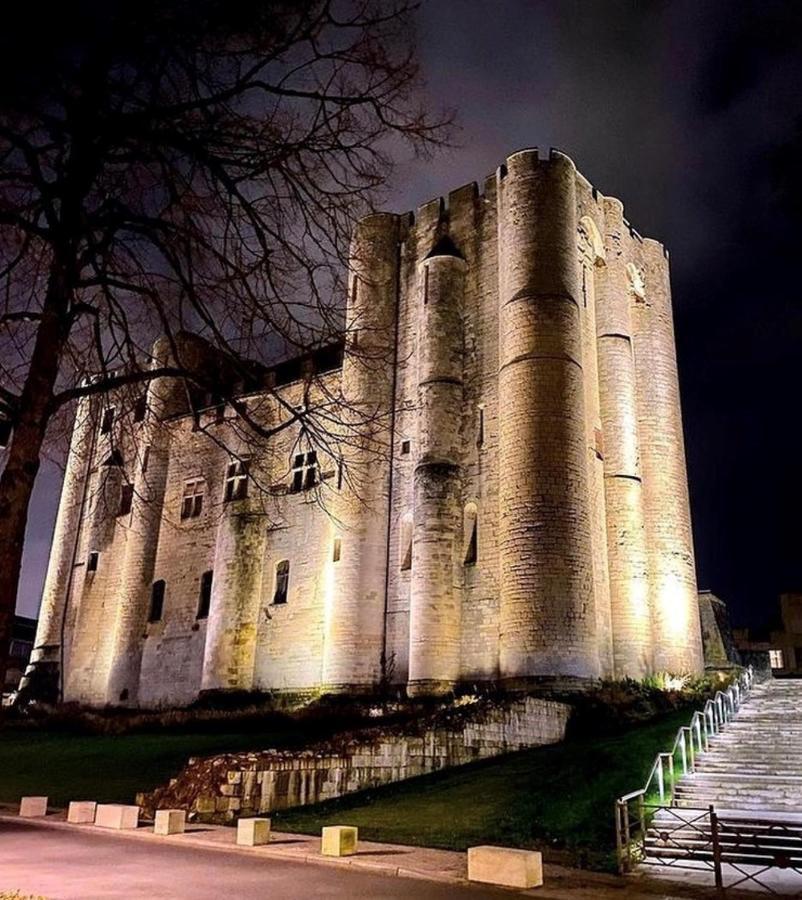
(517, 515)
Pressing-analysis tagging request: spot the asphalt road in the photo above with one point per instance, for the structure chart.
(61, 865)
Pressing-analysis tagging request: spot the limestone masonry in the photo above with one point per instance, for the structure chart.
(512, 510)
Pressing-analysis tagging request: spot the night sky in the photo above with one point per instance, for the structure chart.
(690, 112)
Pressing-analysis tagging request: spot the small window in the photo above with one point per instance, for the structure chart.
(5, 433)
(156, 601)
(405, 447)
(304, 472)
(107, 421)
(145, 459)
(141, 408)
(776, 660)
(91, 562)
(205, 596)
(480, 427)
(470, 535)
(192, 501)
(237, 480)
(405, 544)
(337, 551)
(282, 582)
(126, 499)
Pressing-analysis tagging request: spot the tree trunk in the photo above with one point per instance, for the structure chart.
(23, 458)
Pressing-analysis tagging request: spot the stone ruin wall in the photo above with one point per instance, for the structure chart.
(242, 784)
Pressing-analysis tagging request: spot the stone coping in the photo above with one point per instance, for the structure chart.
(403, 861)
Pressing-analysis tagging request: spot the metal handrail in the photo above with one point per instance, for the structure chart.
(690, 740)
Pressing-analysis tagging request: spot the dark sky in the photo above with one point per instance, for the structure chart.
(689, 111)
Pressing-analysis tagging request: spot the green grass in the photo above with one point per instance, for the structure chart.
(558, 798)
(109, 768)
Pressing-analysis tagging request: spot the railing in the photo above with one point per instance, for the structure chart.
(634, 811)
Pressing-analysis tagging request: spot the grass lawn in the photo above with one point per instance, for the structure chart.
(558, 798)
(109, 768)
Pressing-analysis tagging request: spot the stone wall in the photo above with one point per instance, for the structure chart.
(225, 787)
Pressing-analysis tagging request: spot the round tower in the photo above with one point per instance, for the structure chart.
(354, 616)
(626, 541)
(547, 613)
(136, 573)
(436, 596)
(48, 651)
(672, 573)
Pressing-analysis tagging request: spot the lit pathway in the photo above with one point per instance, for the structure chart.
(72, 862)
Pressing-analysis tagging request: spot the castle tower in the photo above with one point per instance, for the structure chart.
(626, 541)
(672, 575)
(547, 614)
(354, 619)
(142, 532)
(436, 597)
(48, 648)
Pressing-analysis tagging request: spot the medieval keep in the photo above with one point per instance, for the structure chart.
(516, 512)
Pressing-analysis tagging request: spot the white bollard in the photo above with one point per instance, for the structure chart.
(505, 866)
(170, 821)
(81, 812)
(253, 832)
(117, 815)
(33, 807)
(338, 840)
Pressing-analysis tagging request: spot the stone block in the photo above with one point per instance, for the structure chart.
(33, 807)
(170, 821)
(253, 832)
(338, 840)
(116, 815)
(505, 866)
(81, 812)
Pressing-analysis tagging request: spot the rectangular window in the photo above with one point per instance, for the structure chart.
(205, 596)
(145, 459)
(126, 499)
(107, 421)
(405, 447)
(282, 582)
(91, 562)
(192, 501)
(776, 659)
(140, 408)
(156, 602)
(480, 428)
(237, 480)
(337, 551)
(304, 472)
(5, 433)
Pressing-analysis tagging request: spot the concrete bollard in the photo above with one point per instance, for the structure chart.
(116, 815)
(253, 832)
(338, 840)
(170, 821)
(81, 812)
(33, 807)
(505, 866)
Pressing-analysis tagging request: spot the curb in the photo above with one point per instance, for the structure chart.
(197, 842)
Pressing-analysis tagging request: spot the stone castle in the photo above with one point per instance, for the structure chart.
(518, 513)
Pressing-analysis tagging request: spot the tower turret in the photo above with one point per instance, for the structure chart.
(354, 615)
(547, 615)
(436, 596)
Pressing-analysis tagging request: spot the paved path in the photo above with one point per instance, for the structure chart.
(79, 865)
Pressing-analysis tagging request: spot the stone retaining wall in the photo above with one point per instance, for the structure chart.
(225, 787)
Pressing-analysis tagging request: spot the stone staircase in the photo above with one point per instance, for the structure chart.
(752, 776)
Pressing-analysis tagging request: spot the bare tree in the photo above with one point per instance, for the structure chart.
(170, 166)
